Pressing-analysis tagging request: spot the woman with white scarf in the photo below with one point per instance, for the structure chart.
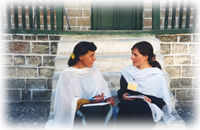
(144, 96)
(80, 83)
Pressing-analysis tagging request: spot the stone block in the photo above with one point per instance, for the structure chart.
(15, 83)
(56, 38)
(74, 28)
(196, 38)
(28, 37)
(36, 83)
(187, 94)
(83, 21)
(169, 60)
(83, 28)
(179, 48)
(41, 95)
(34, 37)
(74, 12)
(46, 72)
(48, 60)
(17, 37)
(190, 71)
(167, 38)
(195, 59)
(86, 13)
(40, 48)
(196, 82)
(19, 47)
(33, 61)
(194, 48)
(7, 60)
(185, 38)
(183, 59)
(12, 95)
(181, 83)
(9, 72)
(147, 22)
(43, 38)
(174, 71)
(26, 72)
(6, 37)
(148, 14)
(19, 60)
(165, 48)
(54, 47)
(72, 21)
(26, 95)
(112, 79)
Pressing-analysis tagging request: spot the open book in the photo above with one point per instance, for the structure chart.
(96, 104)
(136, 96)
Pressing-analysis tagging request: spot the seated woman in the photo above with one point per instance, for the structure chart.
(80, 83)
(143, 94)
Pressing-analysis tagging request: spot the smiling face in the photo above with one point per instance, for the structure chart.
(88, 59)
(138, 59)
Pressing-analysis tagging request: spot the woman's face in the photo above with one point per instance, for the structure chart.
(138, 59)
(88, 59)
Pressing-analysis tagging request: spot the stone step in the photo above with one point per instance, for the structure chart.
(105, 63)
(106, 46)
(112, 55)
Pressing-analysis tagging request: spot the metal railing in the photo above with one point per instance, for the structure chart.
(53, 15)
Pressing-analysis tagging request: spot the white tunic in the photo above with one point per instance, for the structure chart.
(74, 84)
(151, 81)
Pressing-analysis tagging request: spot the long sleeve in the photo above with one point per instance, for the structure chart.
(123, 89)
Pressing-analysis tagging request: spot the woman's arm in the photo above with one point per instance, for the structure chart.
(158, 101)
(123, 89)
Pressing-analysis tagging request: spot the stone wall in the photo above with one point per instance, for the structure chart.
(28, 66)
(182, 63)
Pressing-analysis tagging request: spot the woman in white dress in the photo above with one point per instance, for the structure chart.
(80, 83)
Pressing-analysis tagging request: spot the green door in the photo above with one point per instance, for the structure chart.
(117, 17)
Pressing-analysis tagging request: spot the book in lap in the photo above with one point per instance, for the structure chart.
(96, 104)
(136, 96)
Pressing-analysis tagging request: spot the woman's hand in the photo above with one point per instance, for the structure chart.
(147, 99)
(110, 100)
(125, 97)
(81, 102)
(97, 98)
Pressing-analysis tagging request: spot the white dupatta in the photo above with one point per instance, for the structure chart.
(74, 84)
(151, 81)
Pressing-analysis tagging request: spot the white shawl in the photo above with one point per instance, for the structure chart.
(74, 84)
(151, 81)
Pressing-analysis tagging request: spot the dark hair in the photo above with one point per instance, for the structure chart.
(146, 49)
(81, 49)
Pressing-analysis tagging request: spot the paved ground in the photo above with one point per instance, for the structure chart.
(36, 114)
